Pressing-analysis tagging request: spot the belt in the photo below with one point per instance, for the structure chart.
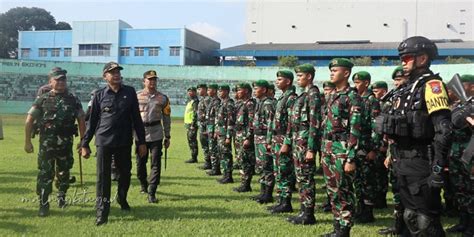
(150, 124)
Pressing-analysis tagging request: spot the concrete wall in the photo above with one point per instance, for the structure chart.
(201, 45)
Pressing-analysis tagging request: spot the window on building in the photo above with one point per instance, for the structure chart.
(43, 53)
(25, 53)
(55, 52)
(175, 50)
(67, 52)
(94, 50)
(125, 51)
(139, 51)
(153, 51)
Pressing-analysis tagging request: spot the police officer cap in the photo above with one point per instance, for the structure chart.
(224, 87)
(261, 83)
(286, 74)
(328, 84)
(192, 88)
(202, 85)
(57, 73)
(469, 78)
(418, 45)
(362, 75)
(341, 62)
(305, 68)
(380, 85)
(213, 86)
(111, 66)
(151, 74)
(398, 72)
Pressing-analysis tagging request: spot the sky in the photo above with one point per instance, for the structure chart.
(220, 20)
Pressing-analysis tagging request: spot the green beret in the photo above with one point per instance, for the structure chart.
(398, 72)
(202, 85)
(286, 74)
(469, 78)
(305, 68)
(328, 84)
(224, 87)
(244, 85)
(362, 75)
(341, 62)
(271, 86)
(380, 85)
(213, 86)
(261, 83)
(192, 88)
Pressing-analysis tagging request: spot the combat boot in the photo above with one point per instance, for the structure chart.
(43, 205)
(267, 195)
(284, 207)
(336, 230)
(244, 187)
(227, 179)
(214, 171)
(381, 201)
(306, 217)
(192, 160)
(366, 215)
(61, 200)
(462, 225)
(152, 194)
(207, 165)
(344, 231)
(262, 192)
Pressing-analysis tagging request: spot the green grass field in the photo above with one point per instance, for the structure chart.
(190, 202)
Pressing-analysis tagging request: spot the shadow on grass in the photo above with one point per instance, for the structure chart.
(16, 227)
(14, 190)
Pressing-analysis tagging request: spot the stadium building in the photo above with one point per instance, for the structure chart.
(104, 41)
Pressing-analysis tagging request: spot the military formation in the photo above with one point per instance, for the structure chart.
(415, 137)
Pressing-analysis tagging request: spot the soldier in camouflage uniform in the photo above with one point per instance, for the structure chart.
(225, 121)
(237, 146)
(459, 175)
(279, 137)
(211, 116)
(55, 112)
(202, 122)
(368, 149)
(271, 91)
(264, 114)
(191, 123)
(305, 120)
(342, 131)
(244, 135)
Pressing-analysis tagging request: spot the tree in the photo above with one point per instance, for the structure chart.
(460, 60)
(61, 25)
(363, 61)
(287, 61)
(23, 18)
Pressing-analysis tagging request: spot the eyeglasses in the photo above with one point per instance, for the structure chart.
(407, 58)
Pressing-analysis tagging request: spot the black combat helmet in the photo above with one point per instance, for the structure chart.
(417, 45)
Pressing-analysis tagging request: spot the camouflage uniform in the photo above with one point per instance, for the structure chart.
(340, 138)
(55, 114)
(211, 115)
(237, 146)
(243, 131)
(225, 121)
(305, 120)
(202, 122)
(192, 127)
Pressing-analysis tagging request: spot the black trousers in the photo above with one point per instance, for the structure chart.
(123, 161)
(155, 148)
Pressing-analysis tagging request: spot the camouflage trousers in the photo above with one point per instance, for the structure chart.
(237, 148)
(246, 157)
(54, 162)
(338, 185)
(264, 162)
(364, 180)
(304, 169)
(203, 139)
(225, 152)
(214, 152)
(381, 176)
(192, 141)
(283, 168)
(460, 181)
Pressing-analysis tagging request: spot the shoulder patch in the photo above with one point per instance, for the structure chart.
(436, 96)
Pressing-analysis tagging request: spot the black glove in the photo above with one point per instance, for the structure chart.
(436, 179)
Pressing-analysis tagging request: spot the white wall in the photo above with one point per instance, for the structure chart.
(324, 20)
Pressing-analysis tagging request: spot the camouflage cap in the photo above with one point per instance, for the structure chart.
(361, 75)
(305, 68)
(380, 85)
(328, 84)
(150, 74)
(261, 83)
(244, 85)
(213, 86)
(341, 62)
(224, 87)
(202, 85)
(286, 74)
(57, 73)
(397, 72)
(192, 88)
(111, 66)
(469, 78)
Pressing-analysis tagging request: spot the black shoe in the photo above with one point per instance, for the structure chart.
(43, 210)
(72, 179)
(366, 215)
(190, 161)
(242, 188)
(101, 220)
(226, 180)
(124, 205)
(152, 198)
(336, 230)
(214, 172)
(267, 195)
(62, 200)
(206, 166)
(285, 207)
(270, 208)
(381, 202)
(143, 189)
(306, 217)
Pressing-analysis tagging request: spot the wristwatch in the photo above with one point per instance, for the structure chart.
(436, 169)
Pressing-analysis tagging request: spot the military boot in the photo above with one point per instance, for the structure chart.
(61, 199)
(336, 230)
(396, 229)
(192, 160)
(306, 217)
(284, 207)
(381, 201)
(227, 179)
(262, 192)
(366, 215)
(207, 165)
(326, 206)
(152, 194)
(215, 171)
(43, 205)
(462, 225)
(344, 231)
(267, 195)
(244, 187)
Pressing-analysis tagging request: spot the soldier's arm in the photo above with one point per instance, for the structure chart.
(195, 113)
(251, 115)
(376, 141)
(314, 139)
(230, 120)
(289, 128)
(354, 105)
(28, 130)
(270, 114)
(93, 121)
(167, 118)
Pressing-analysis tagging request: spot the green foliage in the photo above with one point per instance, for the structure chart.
(457, 60)
(287, 61)
(362, 61)
(383, 61)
